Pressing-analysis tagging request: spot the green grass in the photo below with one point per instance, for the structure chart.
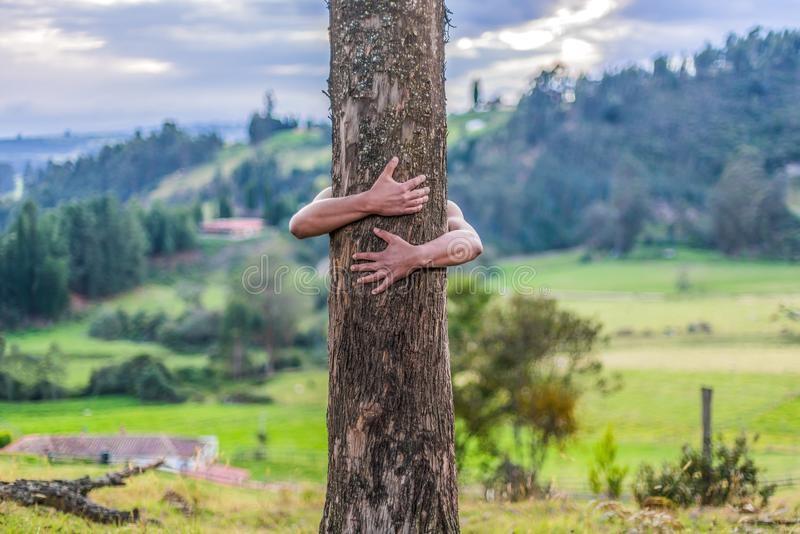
(150, 298)
(735, 316)
(185, 182)
(297, 508)
(753, 368)
(83, 353)
(295, 423)
(474, 124)
(653, 415)
(299, 149)
(708, 273)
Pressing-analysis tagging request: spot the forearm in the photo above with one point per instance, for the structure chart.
(326, 215)
(453, 248)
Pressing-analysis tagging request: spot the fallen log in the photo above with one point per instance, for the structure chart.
(71, 496)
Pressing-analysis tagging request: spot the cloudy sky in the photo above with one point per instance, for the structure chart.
(99, 65)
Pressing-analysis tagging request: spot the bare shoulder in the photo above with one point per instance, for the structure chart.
(455, 218)
(325, 193)
(453, 211)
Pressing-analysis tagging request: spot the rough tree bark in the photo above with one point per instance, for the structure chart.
(71, 496)
(391, 464)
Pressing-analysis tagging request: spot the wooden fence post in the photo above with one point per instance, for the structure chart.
(706, 395)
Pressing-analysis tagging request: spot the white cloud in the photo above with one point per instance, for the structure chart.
(537, 33)
(142, 66)
(217, 37)
(569, 35)
(39, 39)
(212, 59)
(578, 53)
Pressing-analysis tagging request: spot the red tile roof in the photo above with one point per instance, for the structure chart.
(119, 446)
(233, 225)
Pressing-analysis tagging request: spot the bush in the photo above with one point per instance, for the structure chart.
(512, 482)
(246, 397)
(143, 377)
(198, 376)
(141, 326)
(194, 330)
(730, 476)
(605, 476)
(153, 385)
(5, 438)
(145, 326)
(109, 325)
(290, 360)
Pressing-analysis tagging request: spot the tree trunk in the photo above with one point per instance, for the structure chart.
(391, 463)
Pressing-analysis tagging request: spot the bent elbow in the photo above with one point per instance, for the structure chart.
(296, 228)
(477, 248)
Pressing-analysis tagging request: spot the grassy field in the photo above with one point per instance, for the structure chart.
(652, 272)
(653, 415)
(297, 508)
(85, 353)
(746, 356)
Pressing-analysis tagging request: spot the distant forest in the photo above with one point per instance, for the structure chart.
(123, 170)
(693, 153)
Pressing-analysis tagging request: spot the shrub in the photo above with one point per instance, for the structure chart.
(521, 362)
(5, 438)
(141, 326)
(194, 330)
(145, 326)
(246, 397)
(729, 476)
(605, 476)
(143, 376)
(512, 482)
(109, 325)
(153, 385)
(290, 360)
(198, 376)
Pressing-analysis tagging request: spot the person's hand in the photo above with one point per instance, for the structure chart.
(395, 262)
(388, 197)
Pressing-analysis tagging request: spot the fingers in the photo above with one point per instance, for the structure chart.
(383, 234)
(365, 267)
(388, 171)
(413, 209)
(414, 182)
(383, 286)
(418, 201)
(374, 277)
(368, 256)
(416, 193)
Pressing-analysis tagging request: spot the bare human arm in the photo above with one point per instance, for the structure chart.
(459, 245)
(386, 197)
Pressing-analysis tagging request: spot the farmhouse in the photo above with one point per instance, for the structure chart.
(179, 454)
(236, 228)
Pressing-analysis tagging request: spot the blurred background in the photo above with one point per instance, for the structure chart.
(641, 159)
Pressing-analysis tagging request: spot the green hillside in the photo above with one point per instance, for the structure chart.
(300, 150)
(294, 150)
